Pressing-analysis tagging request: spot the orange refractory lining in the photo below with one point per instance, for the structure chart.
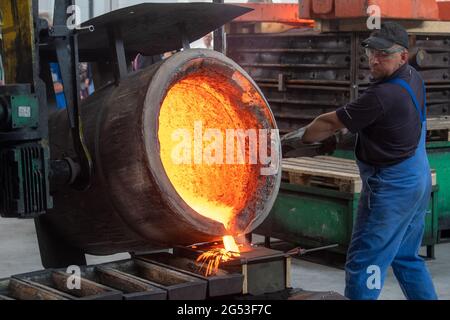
(218, 191)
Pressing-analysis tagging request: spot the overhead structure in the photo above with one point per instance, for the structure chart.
(345, 9)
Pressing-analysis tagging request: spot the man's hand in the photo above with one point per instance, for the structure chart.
(294, 142)
(293, 146)
(306, 140)
(328, 146)
(295, 137)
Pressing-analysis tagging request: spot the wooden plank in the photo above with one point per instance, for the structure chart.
(349, 186)
(321, 172)
(318, 160)
(343, 165)
(302, 167)
(322, 164)
(329, 160)
(343, 160)
(442, 123)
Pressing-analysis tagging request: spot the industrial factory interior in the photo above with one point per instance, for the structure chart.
(275, 150)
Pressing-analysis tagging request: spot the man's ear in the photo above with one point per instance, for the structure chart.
(405, 56)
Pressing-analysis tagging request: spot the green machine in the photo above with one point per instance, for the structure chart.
(24, 156)
(439, 157)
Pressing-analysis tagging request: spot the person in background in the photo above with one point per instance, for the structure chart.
(86, 82)
(208, 41)
(57, 86)
(55, 72)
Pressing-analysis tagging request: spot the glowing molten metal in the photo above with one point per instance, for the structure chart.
(220, 190)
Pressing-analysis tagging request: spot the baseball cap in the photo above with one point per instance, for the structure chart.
(390, 33)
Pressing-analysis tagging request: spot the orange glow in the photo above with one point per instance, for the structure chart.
(214, 257)
(218, 190)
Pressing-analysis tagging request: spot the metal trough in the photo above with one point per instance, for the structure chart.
(132, 288)
(56, 282)
(223, 283)
(14, 289)
(179, 286)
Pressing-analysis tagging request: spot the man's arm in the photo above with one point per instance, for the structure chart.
(322, 128)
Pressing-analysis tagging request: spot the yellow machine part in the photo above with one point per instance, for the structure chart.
(2, 74)
(18, 52)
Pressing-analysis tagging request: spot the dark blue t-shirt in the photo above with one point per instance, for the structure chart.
(386, 120)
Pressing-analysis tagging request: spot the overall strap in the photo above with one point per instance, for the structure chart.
(407, 87)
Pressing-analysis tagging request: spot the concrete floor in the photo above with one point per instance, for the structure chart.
(19, 253)
(315, 277)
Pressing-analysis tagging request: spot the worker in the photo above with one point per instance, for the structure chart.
(86, 81)
(389, 119)
(208, 41)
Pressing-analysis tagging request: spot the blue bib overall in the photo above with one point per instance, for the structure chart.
(390, 224)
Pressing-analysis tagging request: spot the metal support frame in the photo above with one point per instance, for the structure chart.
(91, 9)
(219, 35)
(118, 56)
(54, 251)
(66, 43)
